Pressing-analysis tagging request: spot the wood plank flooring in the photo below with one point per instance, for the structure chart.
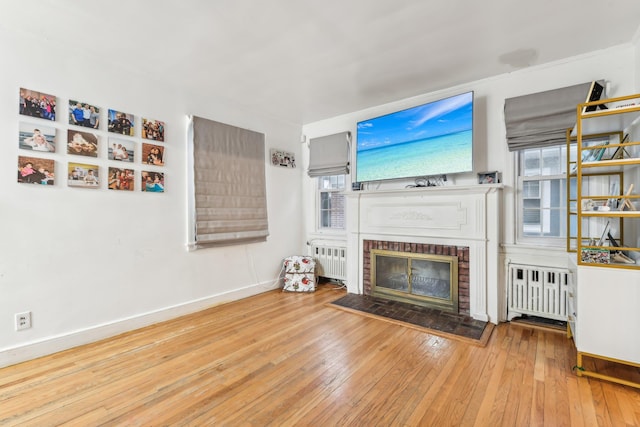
(288, 359)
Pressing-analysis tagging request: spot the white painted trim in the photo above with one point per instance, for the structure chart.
(456, 215)
(50, 345)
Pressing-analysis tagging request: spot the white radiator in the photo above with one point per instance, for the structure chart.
(538, 291)
(331, 261)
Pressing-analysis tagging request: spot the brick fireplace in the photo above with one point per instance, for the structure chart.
(461, 252)
(452, 220)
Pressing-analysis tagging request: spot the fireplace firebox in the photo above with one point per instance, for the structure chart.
(459, 252)
(423, 279)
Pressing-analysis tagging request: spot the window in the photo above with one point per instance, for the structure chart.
(542, 201)
(331, 202)
(227, 200)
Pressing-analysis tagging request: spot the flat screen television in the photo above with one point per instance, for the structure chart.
(425, 140)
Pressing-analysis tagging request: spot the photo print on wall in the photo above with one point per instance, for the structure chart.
(152, 182)
(84, 114)
(283, 158)
(33, 170)
(153, 154)
(82, 143)
(121, 179)
(153, 129)
(122, 150)
(37, 104)
(37, 138)
(121, 123)
(83, 175)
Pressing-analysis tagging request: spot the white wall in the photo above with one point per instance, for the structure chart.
(636, 43)
(91, 263)
(616, 65)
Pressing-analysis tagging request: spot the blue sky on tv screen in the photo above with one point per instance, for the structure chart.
(444, 117)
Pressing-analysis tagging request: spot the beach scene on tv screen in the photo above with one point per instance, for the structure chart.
(430, 139)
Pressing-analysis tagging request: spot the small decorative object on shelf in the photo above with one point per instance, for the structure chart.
(489, 177)
(626, 203)
(596, 256)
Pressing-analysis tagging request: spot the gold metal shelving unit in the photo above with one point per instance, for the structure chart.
(602, 122)
(620, 207)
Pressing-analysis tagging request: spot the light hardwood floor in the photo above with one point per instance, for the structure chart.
(286, 359)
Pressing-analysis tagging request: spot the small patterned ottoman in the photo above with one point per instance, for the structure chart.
(299, 274)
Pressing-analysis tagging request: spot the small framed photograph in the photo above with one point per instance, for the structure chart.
(83, 175)
(32, 170)
(121, 150)
(283, 158)
(596, 256)
(153, 154)
(153, 129)
(152, 182)
(82, 143)
(84, 114)
(488, 177)
(37, 104)
(121, 179)
(36, 137)
(121, 123)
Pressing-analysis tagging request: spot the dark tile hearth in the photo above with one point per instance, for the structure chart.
(438, 320)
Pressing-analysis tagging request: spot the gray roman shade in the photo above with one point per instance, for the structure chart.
(229, 201)
(329, 155)
(541, 119)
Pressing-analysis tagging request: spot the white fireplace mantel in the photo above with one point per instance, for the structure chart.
(450, 215)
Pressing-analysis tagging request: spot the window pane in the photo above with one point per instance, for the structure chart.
(325, 219)
(325, 201)
(532, 217)
(531, 189)
(542, 200)
(331, 202)
(335, 182)
(573, 188)
(551, 161)
(531, 162)
(543, 161)
(545, 215)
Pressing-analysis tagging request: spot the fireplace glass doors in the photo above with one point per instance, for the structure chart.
(422, 279)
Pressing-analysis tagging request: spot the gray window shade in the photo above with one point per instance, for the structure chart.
(329, 155)
(542, 119)
(229, 200)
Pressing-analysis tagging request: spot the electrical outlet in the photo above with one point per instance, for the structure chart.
(23, 320)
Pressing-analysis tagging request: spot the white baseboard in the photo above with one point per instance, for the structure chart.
(54, 344)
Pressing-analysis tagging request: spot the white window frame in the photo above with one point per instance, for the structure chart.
(546, 241)
(338, 187)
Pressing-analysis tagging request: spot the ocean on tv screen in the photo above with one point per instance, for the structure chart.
(445, 154)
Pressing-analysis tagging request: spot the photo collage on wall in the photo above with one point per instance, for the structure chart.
(97, 145)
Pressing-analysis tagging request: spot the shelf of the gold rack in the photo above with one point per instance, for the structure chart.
(616, 117)
(611, 165)
(620, 265)
(609, 248)
(614, 256)
(612, 214)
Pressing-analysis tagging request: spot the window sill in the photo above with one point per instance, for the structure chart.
(329, 232)
(532, 247)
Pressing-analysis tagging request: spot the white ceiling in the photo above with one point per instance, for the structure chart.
(306, 60)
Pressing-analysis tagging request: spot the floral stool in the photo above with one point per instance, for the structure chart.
(299, 274)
